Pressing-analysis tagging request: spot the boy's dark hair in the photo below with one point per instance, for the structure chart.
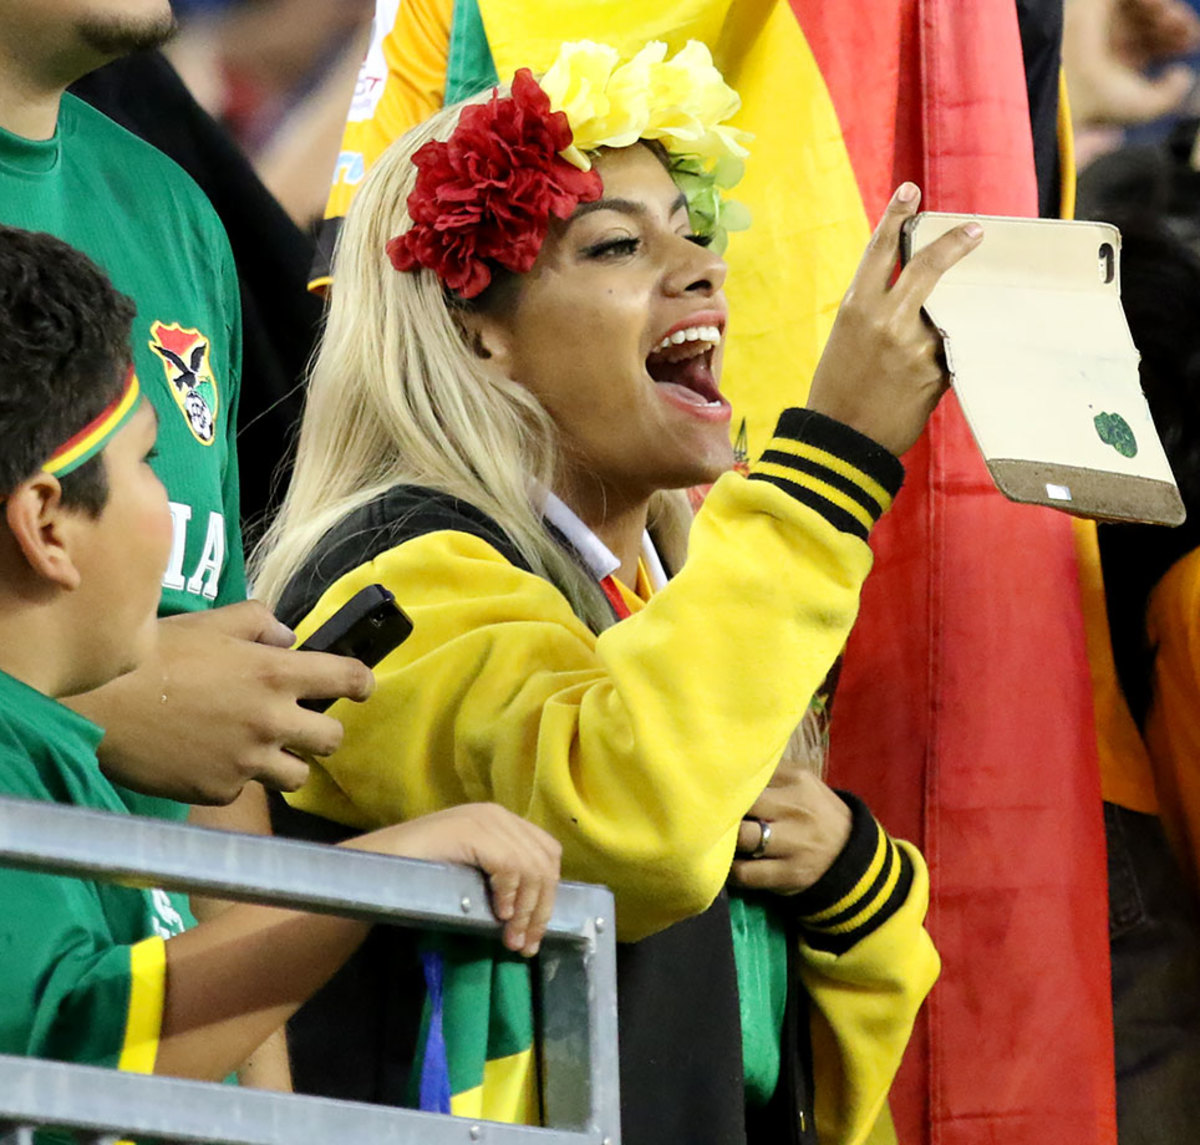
(64, 351)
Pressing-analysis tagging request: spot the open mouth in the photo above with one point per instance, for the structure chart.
(682, 364)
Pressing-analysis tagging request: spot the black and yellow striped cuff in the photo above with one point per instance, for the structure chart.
(866, 885)
(846, 477)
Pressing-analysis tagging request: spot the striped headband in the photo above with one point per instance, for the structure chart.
(94, 436)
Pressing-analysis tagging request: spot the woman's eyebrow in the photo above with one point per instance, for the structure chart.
(625, 206)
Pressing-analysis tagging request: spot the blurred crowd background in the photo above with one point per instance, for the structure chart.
(279, 75)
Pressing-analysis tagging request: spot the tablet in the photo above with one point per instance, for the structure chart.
(1045, 369)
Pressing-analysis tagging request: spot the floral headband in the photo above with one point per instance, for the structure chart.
(484, 198)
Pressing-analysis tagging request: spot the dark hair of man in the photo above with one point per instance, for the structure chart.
(1160, 291)
(64, 352)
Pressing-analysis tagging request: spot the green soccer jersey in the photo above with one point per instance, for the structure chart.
(83, 963)
(141, 218)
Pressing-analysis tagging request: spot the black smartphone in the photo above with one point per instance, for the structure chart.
(368, 626)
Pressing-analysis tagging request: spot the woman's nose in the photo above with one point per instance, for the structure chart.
(699, 270)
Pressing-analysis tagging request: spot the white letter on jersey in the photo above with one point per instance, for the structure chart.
(166, 921)
(180, 516)
(211, 560)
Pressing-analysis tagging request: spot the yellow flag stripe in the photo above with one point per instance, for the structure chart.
(508, 1092)
(147, 994)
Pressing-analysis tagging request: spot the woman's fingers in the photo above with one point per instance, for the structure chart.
(925, 269)
(880, 372)
(763, 875)
(875, 270)
(809, 825)
(750, 834)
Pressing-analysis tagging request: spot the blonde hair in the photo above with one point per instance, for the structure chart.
(398, 396)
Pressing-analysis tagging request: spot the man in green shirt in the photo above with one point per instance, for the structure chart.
(111, 974)
(217, 704)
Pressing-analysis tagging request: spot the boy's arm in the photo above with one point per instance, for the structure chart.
(234, 980)
(269, 1066)
(202, 1002)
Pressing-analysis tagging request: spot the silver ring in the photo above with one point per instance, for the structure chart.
(764, 837)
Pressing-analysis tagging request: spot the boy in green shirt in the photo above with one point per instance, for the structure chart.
(103, 973)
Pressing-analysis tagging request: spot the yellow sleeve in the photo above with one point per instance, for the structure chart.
(147, 996)
(1173, 722)
(640, 749)
(400, 84)
(865, 1001)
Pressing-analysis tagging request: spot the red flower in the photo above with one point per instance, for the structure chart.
(485, 197)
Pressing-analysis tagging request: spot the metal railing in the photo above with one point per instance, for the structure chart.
(576, 967)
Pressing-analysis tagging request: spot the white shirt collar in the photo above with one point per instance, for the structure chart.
(597, 556)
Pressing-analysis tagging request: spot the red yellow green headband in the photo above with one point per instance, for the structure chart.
(98, 432)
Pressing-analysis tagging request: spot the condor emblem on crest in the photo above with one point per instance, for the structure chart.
(185, 359)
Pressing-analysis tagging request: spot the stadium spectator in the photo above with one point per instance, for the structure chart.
(500, 405)
(1124, 63)
(217, 704)
(1150, 582)
(109, 973)
(271, 255)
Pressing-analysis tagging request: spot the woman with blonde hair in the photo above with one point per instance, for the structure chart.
(521, 363)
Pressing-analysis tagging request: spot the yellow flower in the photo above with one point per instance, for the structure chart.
(578, 83)
(689, 103)
(682, 101)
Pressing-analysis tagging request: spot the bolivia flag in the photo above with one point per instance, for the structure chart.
(964, 710)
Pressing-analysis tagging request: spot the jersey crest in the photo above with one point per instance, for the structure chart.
(185, 358)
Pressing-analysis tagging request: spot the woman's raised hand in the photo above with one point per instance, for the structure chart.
(882, 372)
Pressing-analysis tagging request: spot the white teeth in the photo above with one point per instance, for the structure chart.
(708, 334)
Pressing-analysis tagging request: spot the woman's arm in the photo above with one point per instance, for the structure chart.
(864, 1003)
(859, 898)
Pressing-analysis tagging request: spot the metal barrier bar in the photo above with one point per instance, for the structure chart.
(103, 1101)
(577, 968)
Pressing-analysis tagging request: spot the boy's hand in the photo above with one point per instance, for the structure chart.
(216, 706)
(520, 860)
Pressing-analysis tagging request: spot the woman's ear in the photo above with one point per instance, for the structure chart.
(45, 532)
(487, 337)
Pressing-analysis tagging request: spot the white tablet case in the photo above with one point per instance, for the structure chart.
(1045, 369)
